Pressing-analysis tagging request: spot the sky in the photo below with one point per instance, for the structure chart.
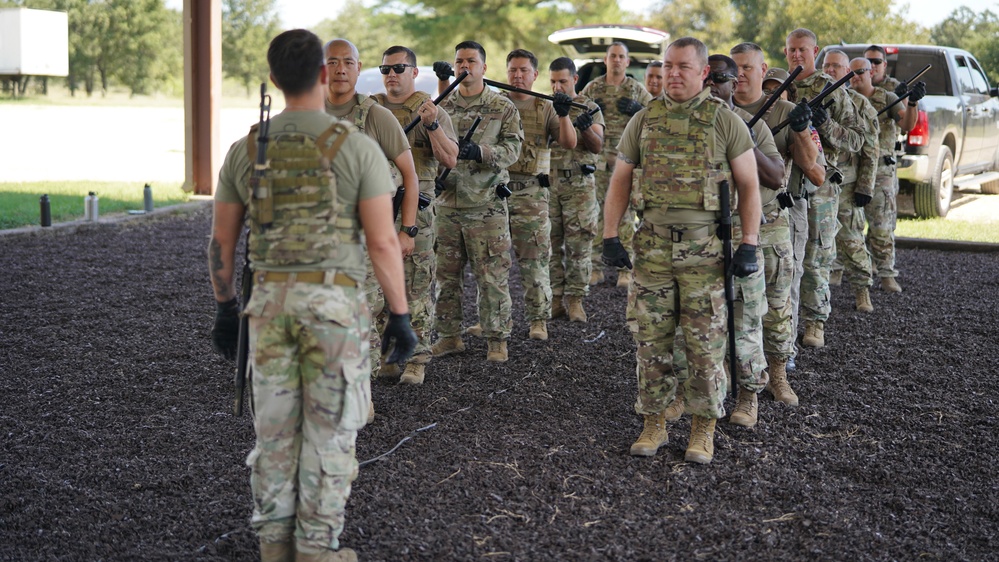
(306, 13)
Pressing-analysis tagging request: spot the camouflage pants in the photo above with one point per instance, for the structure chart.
(882, 216)
(530, 231)
(799, 240)
(573, 211)
(820, 252)
(479, 236)
(851, 252)
(309, 351)
(626, 229)
(678, 284)
(778, 271)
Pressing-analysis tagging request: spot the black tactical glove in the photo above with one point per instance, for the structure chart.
(398, 331)
(583, 121)
(468, 150)
(861, 199)
(800, 116)
(600, 103)
(614, 254)
(562, 103)
(225, 332)
(628, 106)
(819, 116)
(744, 261)
(443, 70)
(918, 91)
(901, 89)
(438, 187)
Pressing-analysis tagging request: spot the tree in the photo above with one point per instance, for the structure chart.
(975, 33)
(247, 29)
(714, 22)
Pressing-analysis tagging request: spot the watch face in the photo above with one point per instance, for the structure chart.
(411, 230)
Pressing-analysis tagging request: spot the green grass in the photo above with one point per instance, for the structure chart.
(19, 202)
(948, 229)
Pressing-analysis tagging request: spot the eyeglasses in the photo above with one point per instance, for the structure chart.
(876, 62)
(397, 68)
(770, 91)
(720, 77)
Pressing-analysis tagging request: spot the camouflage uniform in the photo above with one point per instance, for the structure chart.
(858, 177)
(841, 132)
(678, 275)
(606, 95)
(473, 225)
(308, 321)
(573, 211)
(888, 84)
(883, 210)
(381, 126)
(530, 227)
(421, 266)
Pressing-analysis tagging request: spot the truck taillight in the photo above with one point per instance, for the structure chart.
(891, 50)
(920, 133)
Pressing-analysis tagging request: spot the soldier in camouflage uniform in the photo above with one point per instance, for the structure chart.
(619, 97)
(308, 319)
(883, 209)
(654, 78)
(343, 102)
(875, 54)
(573, 206)
(857, 189)
(434, 143)
(799, 151)
(686, 142)
(841, 131)
(473, 222)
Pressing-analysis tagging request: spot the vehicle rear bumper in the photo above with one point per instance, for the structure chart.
(914, 168)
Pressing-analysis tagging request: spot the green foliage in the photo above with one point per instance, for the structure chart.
(247, 29)
(714, 22)
(381, 30)
(976, 33)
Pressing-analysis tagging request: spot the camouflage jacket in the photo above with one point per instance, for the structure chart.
(862, 166)
(606, 96)
(843, 130)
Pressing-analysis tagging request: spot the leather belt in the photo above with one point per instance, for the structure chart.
(317, 277)
(678, 232)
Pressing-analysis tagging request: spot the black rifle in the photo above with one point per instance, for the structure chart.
(909, 84)
(439, 99)
(814, 102)
(775, 96)
(468, 136)
(510, 88)
(725, 232)
(246, 286)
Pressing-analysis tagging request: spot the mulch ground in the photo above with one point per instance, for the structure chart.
(117, 440)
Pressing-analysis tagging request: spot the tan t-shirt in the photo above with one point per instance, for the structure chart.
(379, 124)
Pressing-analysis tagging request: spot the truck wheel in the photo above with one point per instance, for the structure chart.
(933, 199)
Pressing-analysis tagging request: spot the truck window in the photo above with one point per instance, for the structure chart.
(937, 78)
(978, 78)
(964, 76)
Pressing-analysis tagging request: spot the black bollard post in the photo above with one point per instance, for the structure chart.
(46, 210)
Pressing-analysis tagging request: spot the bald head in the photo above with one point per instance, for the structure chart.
(342, 44)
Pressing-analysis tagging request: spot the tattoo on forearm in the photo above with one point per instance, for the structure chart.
(621, 156)
(216, 266)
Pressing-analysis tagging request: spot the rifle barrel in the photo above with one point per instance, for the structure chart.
(439, 99)
(814, 102)
(775, 96)
(906, 95)
(510, 88)
(726, 235)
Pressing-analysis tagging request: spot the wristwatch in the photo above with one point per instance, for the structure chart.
(433, 126)
(410, 230)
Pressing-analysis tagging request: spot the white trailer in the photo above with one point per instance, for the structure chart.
(33, 43)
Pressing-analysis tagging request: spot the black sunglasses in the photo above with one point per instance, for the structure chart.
(397, 68)
(876, 62)
(720, 77)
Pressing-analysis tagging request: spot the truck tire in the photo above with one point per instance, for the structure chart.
(933, 199)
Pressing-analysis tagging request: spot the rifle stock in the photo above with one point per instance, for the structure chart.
(726, 236)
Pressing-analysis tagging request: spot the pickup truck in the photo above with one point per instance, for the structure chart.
(956, 138)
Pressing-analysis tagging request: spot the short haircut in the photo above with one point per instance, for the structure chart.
(699, 47)
(295, 58)
(877, 48)
(471, 45)
(563, 63)
(619, 44)
(523, 54)
(802, 32)
(655, 64)
(396, 49)
(732, 67)
(746, 47)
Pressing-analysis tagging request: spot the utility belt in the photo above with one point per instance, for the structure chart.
(681, 232)
(315, 277)
(518, 181)
(584, 170)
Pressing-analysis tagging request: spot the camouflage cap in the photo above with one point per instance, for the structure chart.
(774, 73)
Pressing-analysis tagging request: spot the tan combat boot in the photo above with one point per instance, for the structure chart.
(836, 277)
(539, 330)
(701, 448)
(891, 285)
(413, 374)
(576, 312)
(746, 408)
(558, 307)
(624, 278)
(475, 330)
(863, 299)
(653, 436)
(447, 346)
(389, 371)
(815, 334)
(597, 276)
(497, 351)
(342, 555)
(778, 385)
(277, 551)
(677, 406)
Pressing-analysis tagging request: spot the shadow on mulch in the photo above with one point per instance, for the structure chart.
(117, 441)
